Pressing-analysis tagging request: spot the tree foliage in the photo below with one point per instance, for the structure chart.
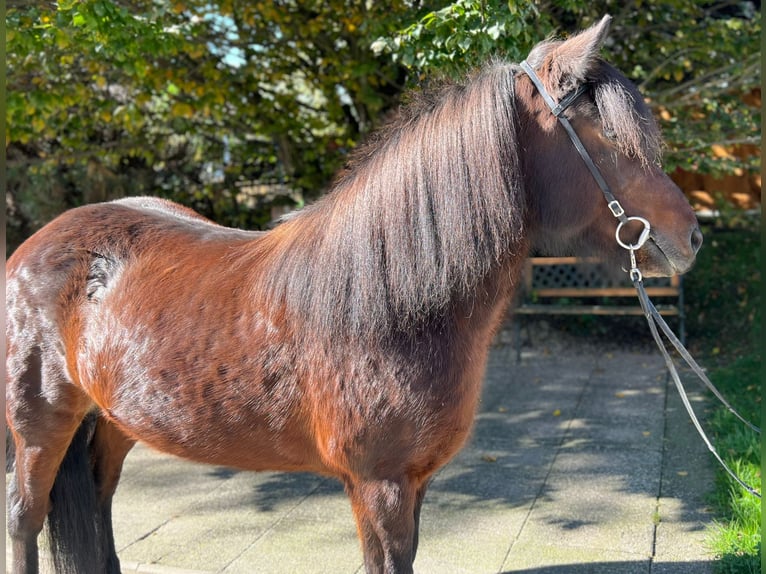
(698, 63)
(213, 102)
(209, 103)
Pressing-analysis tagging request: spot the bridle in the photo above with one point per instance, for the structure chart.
(653, 316)
(558, 109)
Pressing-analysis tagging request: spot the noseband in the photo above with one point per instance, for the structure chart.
(650, 311)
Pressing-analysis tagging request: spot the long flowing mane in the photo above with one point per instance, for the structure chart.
(421, 213)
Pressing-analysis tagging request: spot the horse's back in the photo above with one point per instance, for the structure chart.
(162, 206)
(118, 229)
(55, 279)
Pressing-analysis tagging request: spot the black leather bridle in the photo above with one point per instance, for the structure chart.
(558, 109)
(653, 316)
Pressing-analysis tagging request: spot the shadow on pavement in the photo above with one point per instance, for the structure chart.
(619, 568)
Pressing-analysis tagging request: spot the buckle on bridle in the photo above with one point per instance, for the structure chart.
(616, 208)
(568, 100)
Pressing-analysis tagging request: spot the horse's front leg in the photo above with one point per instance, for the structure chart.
(385, 512)
(419, 496)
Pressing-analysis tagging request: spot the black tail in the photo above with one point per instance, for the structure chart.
(74, 523)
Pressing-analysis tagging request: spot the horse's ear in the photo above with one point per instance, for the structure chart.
(571, 62)
(577, 55)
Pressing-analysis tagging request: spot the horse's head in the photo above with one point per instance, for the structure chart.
(568, 210)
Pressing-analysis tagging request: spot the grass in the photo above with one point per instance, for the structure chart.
(724, 310)
(735, 537)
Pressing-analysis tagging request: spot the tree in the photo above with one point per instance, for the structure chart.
(698, 63)
(208, 103)
(231, 106)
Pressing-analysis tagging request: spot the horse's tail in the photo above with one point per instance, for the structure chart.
(74, 522)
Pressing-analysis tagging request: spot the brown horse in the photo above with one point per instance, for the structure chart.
(349, 341)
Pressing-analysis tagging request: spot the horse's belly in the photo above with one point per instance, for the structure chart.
(221, 418)
(219, 433)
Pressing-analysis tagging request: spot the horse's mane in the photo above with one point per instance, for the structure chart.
(427, 206)
(423, 210)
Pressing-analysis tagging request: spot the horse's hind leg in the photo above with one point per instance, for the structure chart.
(43, 411)
(108, 451)
(385, 512)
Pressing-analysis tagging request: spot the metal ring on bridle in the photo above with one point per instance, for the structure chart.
(641, 238)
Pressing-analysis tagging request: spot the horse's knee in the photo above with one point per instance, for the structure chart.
(23, 526)
(25, 517)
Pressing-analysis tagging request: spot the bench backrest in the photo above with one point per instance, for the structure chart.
(552, 277)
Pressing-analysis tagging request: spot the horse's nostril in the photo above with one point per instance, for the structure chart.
(696, 239)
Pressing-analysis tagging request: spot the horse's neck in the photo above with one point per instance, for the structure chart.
(488, 305)
(427, 219)
(312, 274)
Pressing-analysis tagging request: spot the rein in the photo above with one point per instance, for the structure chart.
(653, 316)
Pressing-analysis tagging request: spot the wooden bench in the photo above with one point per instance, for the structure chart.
(583, 286)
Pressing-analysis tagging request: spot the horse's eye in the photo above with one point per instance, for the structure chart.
(610, 134)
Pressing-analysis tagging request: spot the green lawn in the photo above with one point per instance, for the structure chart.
(724, 310)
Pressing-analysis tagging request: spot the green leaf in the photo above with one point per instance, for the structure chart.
(495, 30)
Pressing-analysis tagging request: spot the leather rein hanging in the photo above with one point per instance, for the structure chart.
(653, 316)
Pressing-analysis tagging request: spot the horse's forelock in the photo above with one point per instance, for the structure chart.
(625, 114)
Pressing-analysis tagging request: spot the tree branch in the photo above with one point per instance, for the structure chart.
(707, 145)
(750, 61)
